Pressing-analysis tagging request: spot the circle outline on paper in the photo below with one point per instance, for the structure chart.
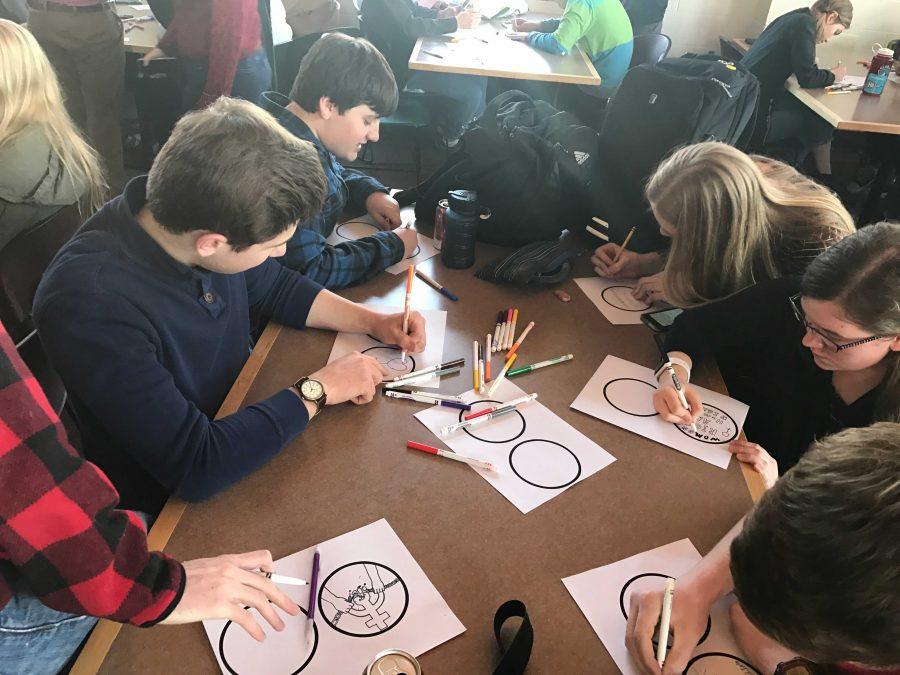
(545, 487)
(309, 658)
(397, 579)
(410, 359)
(463, 413)
(627, 412)
(340, 226)
(624, 309)
(690, 434)
(662, 576)
(687, 668)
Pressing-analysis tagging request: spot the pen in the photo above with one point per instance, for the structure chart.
(313, 589)
(521, 339)
(424, 376)
(450, 428)
(664, 620)
(596, 233)
(436, 286)
(496, 340)
(410, 273)
(437, 56)
(624, 245)
(487, 357)
(501, 406)
(429, 394)
(425, 371)
(450, 455)
(539, 364)
(502, 375)
(428, 399)
(285, 580)
(677, 384)
(475, 365)
(507, 344)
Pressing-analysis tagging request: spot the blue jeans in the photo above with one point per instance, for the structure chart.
(466, 91)
(252, 77)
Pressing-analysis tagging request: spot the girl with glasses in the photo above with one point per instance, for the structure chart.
(810, 356)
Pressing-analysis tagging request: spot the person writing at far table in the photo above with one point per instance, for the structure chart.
(733, 220)
(810, 356)
(815, 568)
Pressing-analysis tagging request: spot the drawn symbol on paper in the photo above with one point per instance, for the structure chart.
(285, 652)
(357, 229)
(719, 663)
(363, 599)
(504, 430)
(630, 396)
(545, 464)
(620, 297)
(389, 357)
(715, 426)
(651, 581)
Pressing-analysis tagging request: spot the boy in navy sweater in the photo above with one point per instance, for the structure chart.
(145, 313)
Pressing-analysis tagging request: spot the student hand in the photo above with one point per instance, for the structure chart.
(447, 12)
(668, 404)
(690, 613)
(468, 19)
(756, 456)
(410, 239)
(220, 588)
(384, 209)
(762, 651)
(353, 377)
(649, 289)
(525, 26)
(630, 266)
(155, 53)
(388, 328)
(840, 72)
(518, 37)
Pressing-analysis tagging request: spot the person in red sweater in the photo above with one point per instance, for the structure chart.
(218, 44)
(68, 556)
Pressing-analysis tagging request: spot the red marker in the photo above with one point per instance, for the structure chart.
(450, 455)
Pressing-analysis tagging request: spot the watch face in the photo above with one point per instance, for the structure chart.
(312, 390)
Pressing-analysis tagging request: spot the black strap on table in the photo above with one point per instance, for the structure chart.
(515, 658)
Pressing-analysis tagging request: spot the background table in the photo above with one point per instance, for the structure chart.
(487, 51)
(351, 468)
(137, 40)
(854, 111)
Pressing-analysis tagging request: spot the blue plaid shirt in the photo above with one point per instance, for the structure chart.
(349, 262)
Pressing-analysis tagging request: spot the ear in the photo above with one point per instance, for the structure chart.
(210, 243)
(327, 109)
(895, 344)
(831, 18)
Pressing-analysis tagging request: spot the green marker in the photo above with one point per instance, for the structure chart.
(540, 364)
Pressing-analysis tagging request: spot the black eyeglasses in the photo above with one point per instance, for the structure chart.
(830, 344)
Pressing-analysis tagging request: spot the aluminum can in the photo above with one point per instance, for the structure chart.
(440, 222)
(393, 662)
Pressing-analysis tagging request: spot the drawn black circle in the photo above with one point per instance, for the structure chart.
(741, 661)
(364, 635)
(630, 379)
(416, 251)
(341, 226)
(690, 434)
(463, 413)
(312, 652)
(409, 357)
(537, 485)
(662, 576)
(624, 309)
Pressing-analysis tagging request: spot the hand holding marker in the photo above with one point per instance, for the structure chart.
(410, 273)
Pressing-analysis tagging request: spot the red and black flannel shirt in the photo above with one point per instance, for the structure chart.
(59, 529)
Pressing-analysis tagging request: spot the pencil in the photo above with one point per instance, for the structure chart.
(475, 365)
(481, 464)
(410, 273)
(624, 244)
(521, 339)
(496, 383)
(512, 331)
(664, 620)
(487, 358)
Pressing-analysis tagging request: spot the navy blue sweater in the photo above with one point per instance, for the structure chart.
(148, 349)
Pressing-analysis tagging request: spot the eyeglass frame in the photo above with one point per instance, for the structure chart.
(800, 315)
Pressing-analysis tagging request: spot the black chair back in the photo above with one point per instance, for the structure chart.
(650, 49)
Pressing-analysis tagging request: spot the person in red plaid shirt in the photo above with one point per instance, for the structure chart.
(68, 555)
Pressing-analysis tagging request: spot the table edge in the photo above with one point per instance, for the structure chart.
(835, 120)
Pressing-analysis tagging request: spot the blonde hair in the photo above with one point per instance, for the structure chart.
(843, 8)
(30, 95)
(736, 219)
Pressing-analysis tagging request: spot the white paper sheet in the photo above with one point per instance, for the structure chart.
(613, 298)
(352, 230)
(386, 602)
(537, 455)
(389, 356)
(621, 392)
(854, 80)
(603, 595)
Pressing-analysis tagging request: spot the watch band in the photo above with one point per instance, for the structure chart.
(799, 666)
(319, 402)
(675, 361)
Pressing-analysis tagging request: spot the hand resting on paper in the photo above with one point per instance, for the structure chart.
(757, 457)
(220, 588)
(650, 289)
(384, 209)
(668, 404)
(388, 328)
(630, 266)
(353, 377)
(525, 26)
(410, 238)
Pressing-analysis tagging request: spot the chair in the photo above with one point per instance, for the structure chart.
(289, 55)
(650, 49)
(22, 264)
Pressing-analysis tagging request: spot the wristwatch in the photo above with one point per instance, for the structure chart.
(311, 390)
(799, 666)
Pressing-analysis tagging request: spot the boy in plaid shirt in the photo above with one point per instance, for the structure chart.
(344, 86)
(68, 555)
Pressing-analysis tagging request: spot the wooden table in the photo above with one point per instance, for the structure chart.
(854, 111)
(144, 36)
(733, 49)
(487, 51)
(351, 468)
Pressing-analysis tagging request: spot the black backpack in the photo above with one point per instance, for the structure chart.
(656, 109)
(530, 164)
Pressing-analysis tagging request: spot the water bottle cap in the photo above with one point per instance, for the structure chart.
(463, 201)
(884, 51)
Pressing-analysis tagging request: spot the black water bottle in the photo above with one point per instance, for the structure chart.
(460, 225)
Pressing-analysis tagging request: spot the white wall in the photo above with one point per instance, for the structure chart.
(695, 25)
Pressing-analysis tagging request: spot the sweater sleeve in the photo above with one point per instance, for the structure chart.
(59, 525)
(570, 29)
(414, 26)
(106, 351)
(278, 292)
(230, 19)
(803, 59)
(360, 186)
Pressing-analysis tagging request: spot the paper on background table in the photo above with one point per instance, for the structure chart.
(621, 393)
(613, 298)
(603, 592)
(537, 455)
(389, 357)
(386, 598)
(855, 80)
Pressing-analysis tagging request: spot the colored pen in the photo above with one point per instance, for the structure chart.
(475, 365)
(677, 384)
(436, 286)
(425, 371)
(449, 429)
(512, 331)
(502, 375)
(313, 590)
(496, 340)
(451, 455)
(596, 233)
(504, 329)
(429, 394)
(521, 339)
(624, 245)
(410, 273)
(424, 376)
(428, 399)
(600, 222)
(665, 619)
(487, 357)
(285, 580)
(481, 380)
(494, 408)
(539, 364)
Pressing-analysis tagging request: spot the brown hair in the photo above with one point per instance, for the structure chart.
(843, 8)
(232, 169)
(817, 564)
